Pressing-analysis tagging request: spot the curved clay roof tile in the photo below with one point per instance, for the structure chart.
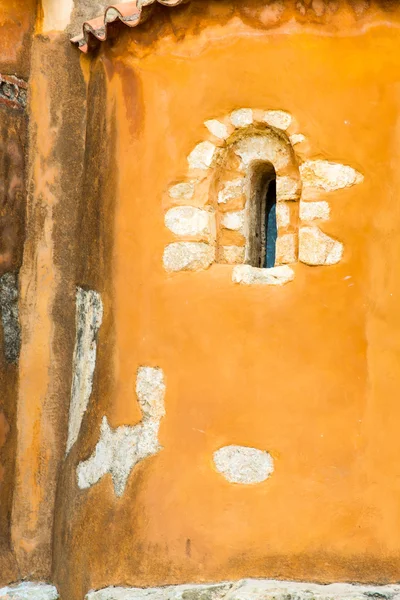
(129, 13)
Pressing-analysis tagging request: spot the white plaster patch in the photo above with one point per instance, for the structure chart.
(252, 589)
(188, 220)
(119, 450)
(242, 117)
(182, 191)
(263, 147)
(188, 256)
(277, 118)
(240, 464)
(232, 189)
(309, 211)
(248, 275)
(328, 176)
(201, 156)
(287, 188)
(218, 129)
(29, 591)
(232, 255)
(297, 138)
(89, 316)
(150, 390)
(282, 214)
(233, 220)
(317, 248)
(286, 249)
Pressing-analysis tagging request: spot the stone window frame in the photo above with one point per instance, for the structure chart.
(209, 210)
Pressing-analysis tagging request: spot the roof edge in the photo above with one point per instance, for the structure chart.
(129, 13)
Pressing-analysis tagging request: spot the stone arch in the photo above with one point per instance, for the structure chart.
(209, 210)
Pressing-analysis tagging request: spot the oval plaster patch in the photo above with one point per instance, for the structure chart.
(241, 464)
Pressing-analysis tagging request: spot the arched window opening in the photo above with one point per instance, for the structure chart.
(263, 230)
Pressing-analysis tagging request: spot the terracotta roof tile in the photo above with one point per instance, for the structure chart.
(129, 13)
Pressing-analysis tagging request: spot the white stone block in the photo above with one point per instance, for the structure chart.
(286, 249)
(277, 118)
(265, 147)
(234, 220)
(287, 188)
(188, 256)
(252, 589)
(317, 248)
(202, 156)
(328, 176)
(232, 189)
(297, 138)
(188, 220)
(232, 255)
(218, 129)
(241, 464)
(309, 211)
(182, 191)
(242, 117)
(282, 214)
(248, 275)
(29, 591)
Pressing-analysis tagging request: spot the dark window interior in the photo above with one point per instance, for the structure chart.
(263, 228)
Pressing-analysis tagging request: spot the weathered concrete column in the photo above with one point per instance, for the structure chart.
(47, 282)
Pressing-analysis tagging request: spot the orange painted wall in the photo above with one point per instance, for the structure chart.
(309, 371)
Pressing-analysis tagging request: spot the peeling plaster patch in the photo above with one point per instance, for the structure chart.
(248, 275)
(277, 118)
(286, 188)
(217, 129)
(252, 589)
(297, 138)
(188, 256)
(9, 316)
(314, 210)
(119, 450)
(282, 214)
(240, 464)
(232, 255)
(328, 176)
(188, 220)
(231, 190)
(89, 316)
(317, 248)
(233, 220)
(150, 390)
(242, 117)
(286, 249)
(173, 592)
(201, 156)
(182, 191)
(29, 591)
(263, 147)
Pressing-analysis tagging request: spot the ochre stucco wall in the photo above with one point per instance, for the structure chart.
(308, 372)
